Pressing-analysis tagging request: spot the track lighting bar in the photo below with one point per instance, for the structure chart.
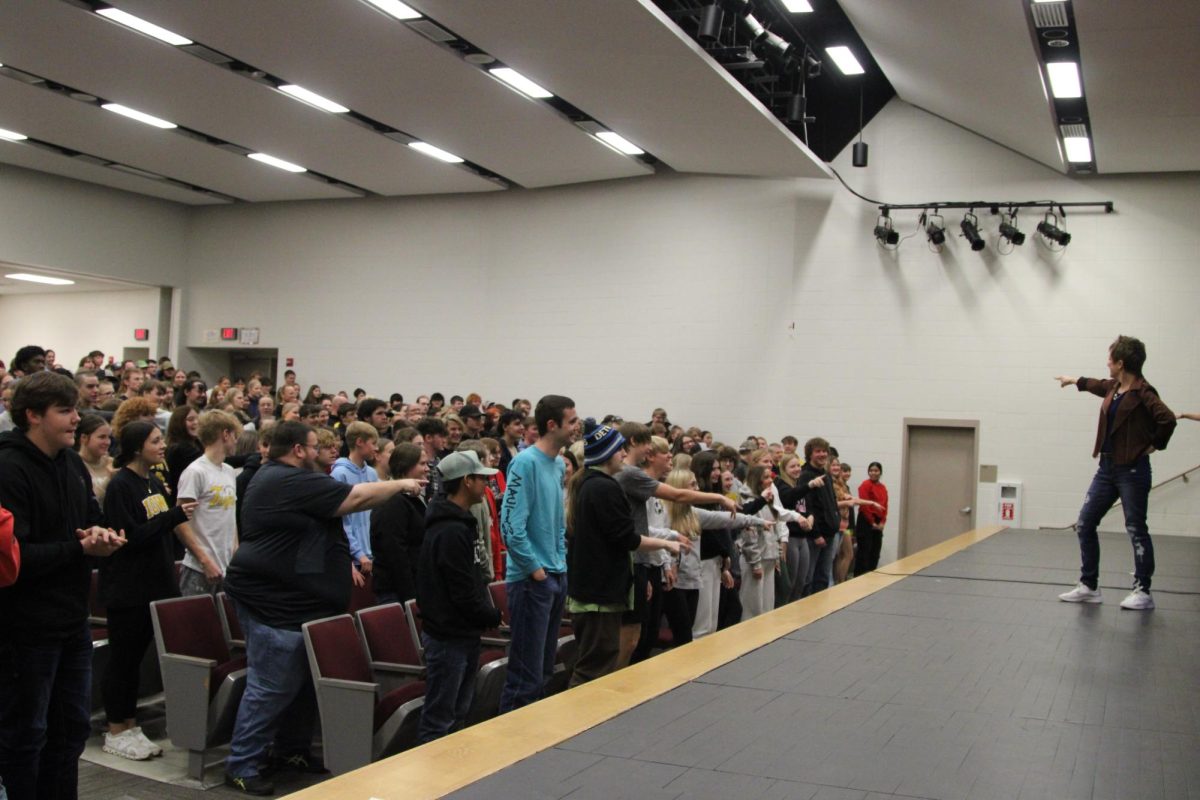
(996, 207)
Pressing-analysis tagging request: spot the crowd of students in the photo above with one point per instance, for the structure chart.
(284, 501)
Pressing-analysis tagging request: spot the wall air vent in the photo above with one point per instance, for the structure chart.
(207, 54)
(431, 30)
(1050, 15)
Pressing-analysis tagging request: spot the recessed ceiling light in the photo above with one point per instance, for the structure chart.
(520, 82)
(394, 8)
(797, 6)
(435, 152)
(1064, 79)
(139, 24)
(132, 113)
(620, 143)
(313, 99)
(46, 279)
(1079, 149)
(845, 60)
(12, 136)
(278, 163)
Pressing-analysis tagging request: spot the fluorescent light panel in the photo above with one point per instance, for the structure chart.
(12, 136)
(620, 143)
(313, 99)
(1079, 149)
(1064, 79)
(435, 152)
(520, 82)
(278, 163)
(845, 60)
(139, 24)
(132, 113)
(46, 279)
(394, 8)
(797, 6)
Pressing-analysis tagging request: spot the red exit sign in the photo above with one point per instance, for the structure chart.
(229, 334)
(141, 334)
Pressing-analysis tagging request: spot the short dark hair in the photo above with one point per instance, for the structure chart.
(291, 372)
(877, 465)
(367, 406)
(813, 444)
(833, 452)
(39, 392)
(287, 435)
(345, 409)
(509, 417)
(450, 487)
(396, 398)
(437, 396)
(405, 434)
(635, 432)
(404, 457)
(551, 408)
(309, 410)
(789, 439)
(432, 426)
(456, 397)
(727, 453)
(26, 354)
(1130, 352)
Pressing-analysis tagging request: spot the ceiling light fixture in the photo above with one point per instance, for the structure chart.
(278, 163)
(46, 279)
(142, 117)
(619, 143)
(711, 18)
(885, 233)
(12, 136)
(435, 152)
(519, 82)
(1079, 149)
(394, 8)
(970, 229)
(935, 231)
(1048, 227)
(1008, 230)
(845, 60)
(312, 98)
(1064, 79)
(142, 26)
(797, 6)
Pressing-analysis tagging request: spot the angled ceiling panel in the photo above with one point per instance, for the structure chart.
(625, 63)
(72, 46)
(59, 120)
(34, 158)
(349, 52)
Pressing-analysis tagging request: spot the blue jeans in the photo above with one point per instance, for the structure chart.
(820, 566)
(535, 610)
(450, 668)
(45, 707)
(278, 711)
(1131, 483)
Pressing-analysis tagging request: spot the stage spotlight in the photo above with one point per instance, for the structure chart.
(710, 23)
(885, 233)
(1009, 231)
(936, 230)
(970, 229)
(1052, 232)
(796, 107)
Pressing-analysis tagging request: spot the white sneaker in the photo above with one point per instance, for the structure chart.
(1138, 600)
(154, 749)
(126, 744)
(1081, 594)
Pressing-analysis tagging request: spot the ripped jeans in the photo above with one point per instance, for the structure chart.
(1130, 483)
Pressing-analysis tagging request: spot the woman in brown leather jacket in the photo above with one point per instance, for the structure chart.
(1134, 423)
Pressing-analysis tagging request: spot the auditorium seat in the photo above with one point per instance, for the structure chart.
(202, 681)
(230, 623)
(362, 596)
(391, 650)
(359, 722)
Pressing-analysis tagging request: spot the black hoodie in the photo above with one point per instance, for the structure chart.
(451, 590)
(821, 503)
(49, 499)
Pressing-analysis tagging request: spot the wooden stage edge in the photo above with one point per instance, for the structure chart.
(448, 764)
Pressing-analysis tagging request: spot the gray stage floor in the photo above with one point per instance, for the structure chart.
(968, 681)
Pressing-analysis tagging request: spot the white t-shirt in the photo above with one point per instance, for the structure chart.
(214, 488)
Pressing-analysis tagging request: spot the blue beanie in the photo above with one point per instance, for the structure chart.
(599, 442)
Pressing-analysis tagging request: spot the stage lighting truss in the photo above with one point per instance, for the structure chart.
(1051, 230)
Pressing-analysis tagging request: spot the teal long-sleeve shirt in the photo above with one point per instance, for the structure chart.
(532, 518)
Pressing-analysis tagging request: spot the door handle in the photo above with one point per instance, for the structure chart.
(966, 510)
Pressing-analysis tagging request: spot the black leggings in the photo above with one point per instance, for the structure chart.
(649, 612)
(679, 606)
(130, 632)
(870, 540)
